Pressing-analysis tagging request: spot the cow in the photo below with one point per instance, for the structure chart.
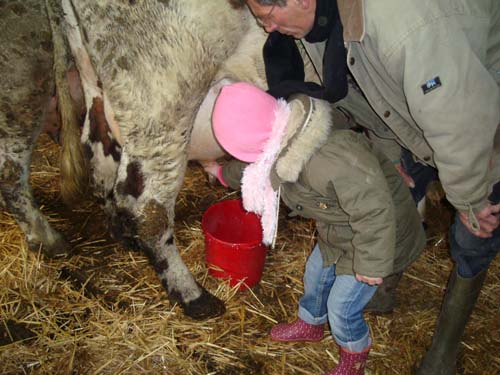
(145, 65)
(145, 69)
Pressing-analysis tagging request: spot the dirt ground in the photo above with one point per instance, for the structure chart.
(103, 311)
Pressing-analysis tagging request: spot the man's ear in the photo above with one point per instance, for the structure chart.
(303, 4)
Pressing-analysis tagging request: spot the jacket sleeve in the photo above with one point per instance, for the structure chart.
(389, 147)
(455, 100)
(232, 172)
(362, 191)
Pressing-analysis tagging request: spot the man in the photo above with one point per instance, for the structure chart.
(430, 69)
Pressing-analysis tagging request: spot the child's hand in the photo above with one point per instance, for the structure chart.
(211, 167)
(214, 172)
(369, 280)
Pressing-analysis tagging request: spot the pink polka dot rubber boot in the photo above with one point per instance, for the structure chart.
(296, 331)
(350, 363)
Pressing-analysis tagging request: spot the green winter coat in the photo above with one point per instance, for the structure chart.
(366, 220)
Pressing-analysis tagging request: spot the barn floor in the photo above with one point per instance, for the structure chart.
(103, 311)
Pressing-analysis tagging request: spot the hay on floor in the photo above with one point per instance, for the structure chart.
(103, 311)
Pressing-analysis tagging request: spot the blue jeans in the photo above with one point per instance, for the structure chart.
(338, 299)
(473, 254)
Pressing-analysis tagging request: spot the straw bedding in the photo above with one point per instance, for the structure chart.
(103, 311)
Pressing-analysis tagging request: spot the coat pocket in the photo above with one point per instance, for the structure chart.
(311, 205)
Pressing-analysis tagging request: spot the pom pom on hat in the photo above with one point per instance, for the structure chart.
(243, 119)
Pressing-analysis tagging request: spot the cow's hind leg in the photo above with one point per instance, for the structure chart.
(25, 88)
(151, 231)
(18, 198)
(143, 222)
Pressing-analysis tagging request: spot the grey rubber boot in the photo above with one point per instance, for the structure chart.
(384, 299)
(459, 300)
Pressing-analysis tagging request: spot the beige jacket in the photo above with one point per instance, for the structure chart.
(431, 71)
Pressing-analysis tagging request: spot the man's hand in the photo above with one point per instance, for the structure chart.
(488, 219)
(406, 178)
(369, 280)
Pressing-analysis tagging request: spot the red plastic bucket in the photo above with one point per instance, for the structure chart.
(233, 243)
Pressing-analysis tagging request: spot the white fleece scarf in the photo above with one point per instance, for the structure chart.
(257, 192)
(313, 123)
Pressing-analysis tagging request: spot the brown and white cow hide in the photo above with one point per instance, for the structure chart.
(145, 67)
(26, 85)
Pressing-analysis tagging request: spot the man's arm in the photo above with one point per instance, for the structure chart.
(484, 222)
(459, 117)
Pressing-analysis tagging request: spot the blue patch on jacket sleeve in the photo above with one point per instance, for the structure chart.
(431, 84)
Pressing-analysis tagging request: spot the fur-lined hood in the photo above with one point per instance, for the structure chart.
(308, 129)
(300, 129)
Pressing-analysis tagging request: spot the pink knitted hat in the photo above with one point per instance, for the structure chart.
(243, 119)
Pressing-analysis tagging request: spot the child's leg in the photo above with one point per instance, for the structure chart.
(318, 282)
(312, 306)
(346, 302)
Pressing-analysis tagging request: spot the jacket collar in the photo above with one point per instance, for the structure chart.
(352, 17)
(308, 128)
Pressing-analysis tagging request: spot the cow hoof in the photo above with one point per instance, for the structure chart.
(204, 307)
(58, 249)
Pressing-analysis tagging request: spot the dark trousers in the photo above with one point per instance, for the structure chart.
(422, 174)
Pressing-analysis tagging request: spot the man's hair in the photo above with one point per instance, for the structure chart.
(240, 3)
(280, 3)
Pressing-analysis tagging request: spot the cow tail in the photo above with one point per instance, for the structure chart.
(73, 163)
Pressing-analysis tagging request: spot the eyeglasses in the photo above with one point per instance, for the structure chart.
(263, 21)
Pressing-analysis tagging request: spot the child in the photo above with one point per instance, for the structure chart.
(368, 226)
